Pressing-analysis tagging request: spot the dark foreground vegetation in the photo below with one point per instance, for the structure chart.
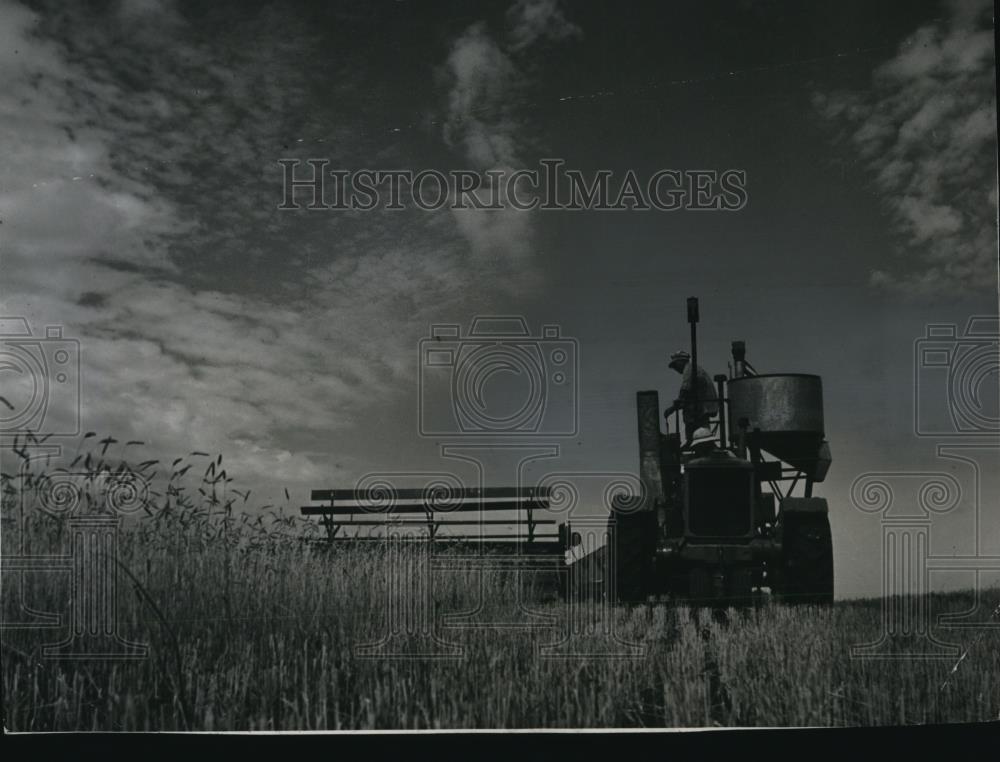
(249, 627)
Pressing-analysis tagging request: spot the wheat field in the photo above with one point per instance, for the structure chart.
(248, 627)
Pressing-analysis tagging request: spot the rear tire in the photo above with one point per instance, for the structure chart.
(806, 572)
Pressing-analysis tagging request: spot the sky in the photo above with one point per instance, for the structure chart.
(140, 186)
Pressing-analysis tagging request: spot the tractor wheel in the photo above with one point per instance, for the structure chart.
(806, 573)
(634, 538)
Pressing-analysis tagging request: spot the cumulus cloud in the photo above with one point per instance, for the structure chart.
(485, 73)
(533, 20)
(478, 117)
(926, 129)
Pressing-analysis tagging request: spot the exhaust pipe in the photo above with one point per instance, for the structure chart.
(648, 414)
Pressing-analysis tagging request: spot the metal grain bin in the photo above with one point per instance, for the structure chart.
(784, 412)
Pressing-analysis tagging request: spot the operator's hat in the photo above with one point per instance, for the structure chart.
(678, 358)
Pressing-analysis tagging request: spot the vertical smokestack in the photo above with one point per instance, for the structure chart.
(721, 381)
(739, 359)
(692, 305)
(648, 413)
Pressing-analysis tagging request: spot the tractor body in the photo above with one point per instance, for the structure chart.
(731, 514)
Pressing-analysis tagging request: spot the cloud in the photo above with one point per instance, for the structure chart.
(158, 12)
(926, 129)
(484, 75)
(533, 20)
(137, 199)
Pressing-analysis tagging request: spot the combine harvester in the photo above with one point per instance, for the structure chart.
(718, 520)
